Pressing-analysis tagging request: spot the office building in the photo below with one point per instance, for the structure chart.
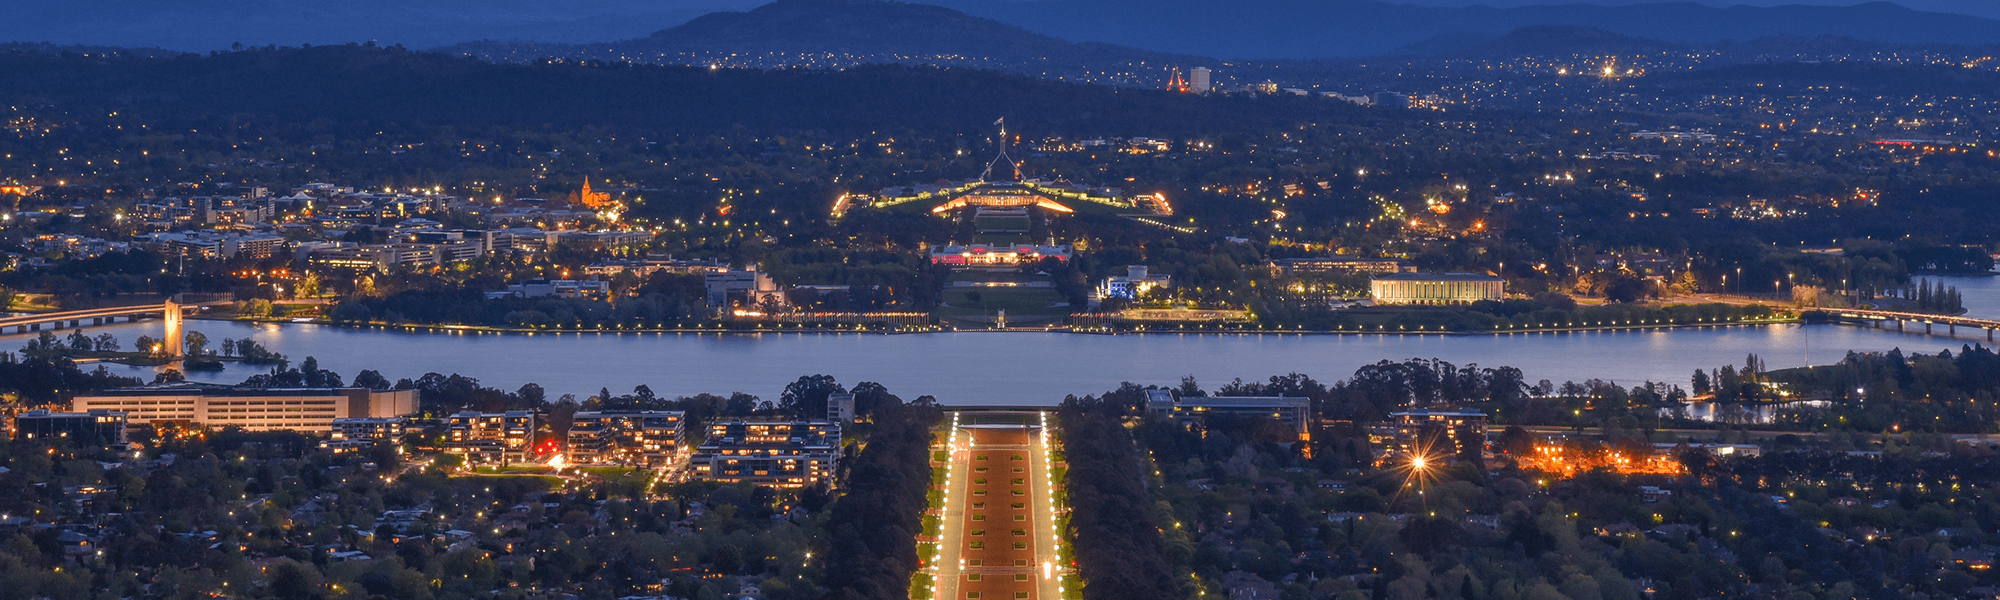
(1193, 411)
(597, 289)
(1435, 288)
(645, 438)
(386, 256)
(1341, 264)
(307, 410)
(490, 437)
(213, 244)
(775, 453)
(1201, 80)
(748, 288)
(661, 263)
(87, 429)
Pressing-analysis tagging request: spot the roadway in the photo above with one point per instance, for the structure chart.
(30, 323)
(998, 540)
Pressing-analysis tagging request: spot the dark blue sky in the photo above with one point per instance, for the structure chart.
(201, 25)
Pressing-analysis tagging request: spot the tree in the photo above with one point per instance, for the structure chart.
(370, 379)
(309, 286)
(868, 396)
(107, 342)
(293, 581)
(197, 344)
(169, 376)
(1626, 288)
(1190, 388)
(531, 395)
(806, 398)
(1701, 382)
(78, 341)
(256, 307)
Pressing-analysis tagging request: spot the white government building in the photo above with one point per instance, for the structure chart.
(1435, 288)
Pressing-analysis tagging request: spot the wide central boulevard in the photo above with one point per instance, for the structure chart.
(999, 538)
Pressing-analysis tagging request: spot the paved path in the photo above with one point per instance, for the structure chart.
(999, 540)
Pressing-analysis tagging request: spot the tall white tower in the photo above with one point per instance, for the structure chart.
(1199, 80)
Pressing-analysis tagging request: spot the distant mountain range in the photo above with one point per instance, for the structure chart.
(1109, 31)
(844, 33)
(1340, 28)
(1977, 8)
(204, 25)
(841, 33)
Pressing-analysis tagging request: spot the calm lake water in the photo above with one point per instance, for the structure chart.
(1010, 368)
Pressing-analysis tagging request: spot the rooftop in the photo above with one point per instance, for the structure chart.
(1436, 277)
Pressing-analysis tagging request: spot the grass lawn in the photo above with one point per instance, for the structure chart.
(1001, 223)
(510, 470)
(607, 471)
(1001, 238)
(1006, 275)
(1017, 301)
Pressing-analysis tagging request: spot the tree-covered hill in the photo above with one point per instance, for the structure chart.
(834, 33)
(348, 86)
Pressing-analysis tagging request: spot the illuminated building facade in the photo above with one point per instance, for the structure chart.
(1435, 288)
(490, 437)
(988, 191)
(92, 428)
(306, 410)
(787, 454)
(1437, 435)
(645, 268)
(1134, 283)
(1341, 264)
(589, 198)
(982, 255)
(359, 432)
(646, 438)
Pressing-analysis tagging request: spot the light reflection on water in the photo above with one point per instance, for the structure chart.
(1008, 368)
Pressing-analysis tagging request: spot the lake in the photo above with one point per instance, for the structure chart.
(1009, 367)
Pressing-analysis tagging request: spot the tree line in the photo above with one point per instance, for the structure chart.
(870, 532)
(1118, 547)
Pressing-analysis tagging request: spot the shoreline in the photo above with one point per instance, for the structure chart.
(486, 330)
(453, 329)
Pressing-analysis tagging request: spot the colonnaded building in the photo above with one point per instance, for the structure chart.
(1435, 288)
